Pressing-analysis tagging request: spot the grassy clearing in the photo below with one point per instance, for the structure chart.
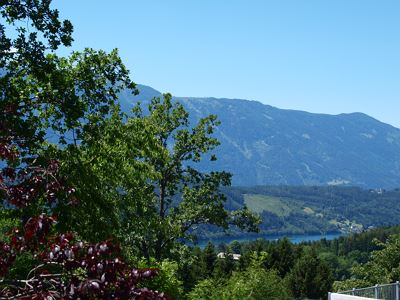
(259, 203)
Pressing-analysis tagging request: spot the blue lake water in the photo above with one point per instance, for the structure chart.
(296, 239)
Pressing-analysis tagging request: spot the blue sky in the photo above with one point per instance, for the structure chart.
(319, 56)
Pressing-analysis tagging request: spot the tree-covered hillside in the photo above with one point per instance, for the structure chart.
(317, 209)
(261, 144)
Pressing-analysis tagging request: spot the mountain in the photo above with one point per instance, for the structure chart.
(261, 144)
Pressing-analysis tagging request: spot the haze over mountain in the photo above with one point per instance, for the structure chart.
(261, 144)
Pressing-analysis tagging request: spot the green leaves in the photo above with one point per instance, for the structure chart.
(42, 18)
(310, 277)
(383, 266)
(135, 175)
(254, 283)
(138, 178)
(245, 219)
(184, 196)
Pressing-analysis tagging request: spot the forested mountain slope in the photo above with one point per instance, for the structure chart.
(261, 144)
(317, 209)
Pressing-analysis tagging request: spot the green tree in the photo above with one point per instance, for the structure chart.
(192, 268)
(340, 265)
(310, 277)
(254, 283)
(225, 265)
(282, 257)
(236, 247)
(167, 279)
(135, 176)
(205, 290)
(42, 94)
(141, 168)
(383, 266)
(105, 167)
(48, 102)
(209, 256)
(178, 148)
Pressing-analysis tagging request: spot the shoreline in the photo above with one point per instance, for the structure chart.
(294, 238)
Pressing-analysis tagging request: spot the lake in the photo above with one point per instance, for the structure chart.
(293, 238)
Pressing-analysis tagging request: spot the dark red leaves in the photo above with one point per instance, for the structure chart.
(85, 271)
(27, 185)
(103, 273)
(9, 172)
(8, 152)
(7, 257)
(38, 228)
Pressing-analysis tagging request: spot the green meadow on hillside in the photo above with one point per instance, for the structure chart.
(312, 209)
(260, 203)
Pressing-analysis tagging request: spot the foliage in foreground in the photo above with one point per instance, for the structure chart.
(141, 169)
(38, 94)
(382, 267)
(72, 162)
(254, 283)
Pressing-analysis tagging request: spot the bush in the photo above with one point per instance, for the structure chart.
(252, 284)
(167, 279)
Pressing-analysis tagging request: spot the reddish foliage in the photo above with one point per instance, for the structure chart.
(82, 270)
(26, 185)
(68, 268)
(7, 257)
(8, 152)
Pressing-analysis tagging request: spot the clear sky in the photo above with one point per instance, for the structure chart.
(319, 56)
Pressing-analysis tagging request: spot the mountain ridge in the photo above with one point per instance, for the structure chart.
(155, 93)
(262, 144)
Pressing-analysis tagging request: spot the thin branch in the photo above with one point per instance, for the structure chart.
(41, 266)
